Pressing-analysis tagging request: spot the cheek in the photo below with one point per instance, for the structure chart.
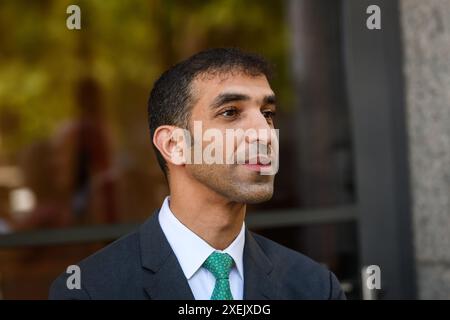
(212, 172)
(210, 145)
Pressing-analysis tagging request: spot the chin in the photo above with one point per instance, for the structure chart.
(254, 195)
(259, 199)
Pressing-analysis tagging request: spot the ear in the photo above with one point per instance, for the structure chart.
(170, 142)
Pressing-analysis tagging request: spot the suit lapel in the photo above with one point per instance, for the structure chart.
(258, 284)
(163, 278)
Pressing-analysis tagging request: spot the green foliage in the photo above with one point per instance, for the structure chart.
(125, 45)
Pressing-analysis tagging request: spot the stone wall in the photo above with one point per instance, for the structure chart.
(426, 44)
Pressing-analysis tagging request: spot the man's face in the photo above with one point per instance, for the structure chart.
(235, 101)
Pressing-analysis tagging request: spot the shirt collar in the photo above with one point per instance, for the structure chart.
(191, 250)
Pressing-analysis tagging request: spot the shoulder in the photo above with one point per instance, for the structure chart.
(299, 276)
(106, 274)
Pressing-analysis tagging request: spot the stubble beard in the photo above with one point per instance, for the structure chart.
(227, 182)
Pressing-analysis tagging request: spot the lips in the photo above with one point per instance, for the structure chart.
(257, 163)
(259, 160)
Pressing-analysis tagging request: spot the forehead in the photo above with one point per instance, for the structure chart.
(206, 87)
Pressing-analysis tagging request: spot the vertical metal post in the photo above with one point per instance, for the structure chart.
(375, 89)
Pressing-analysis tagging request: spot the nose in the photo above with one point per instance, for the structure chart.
(258, 123)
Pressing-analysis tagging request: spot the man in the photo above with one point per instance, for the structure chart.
(197, 246)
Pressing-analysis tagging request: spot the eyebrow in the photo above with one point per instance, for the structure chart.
(270, 99)
(225, 98)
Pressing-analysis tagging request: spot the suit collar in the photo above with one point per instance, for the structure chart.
(164, 279)
(258, 283)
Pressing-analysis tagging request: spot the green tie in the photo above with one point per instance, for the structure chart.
(219, 264)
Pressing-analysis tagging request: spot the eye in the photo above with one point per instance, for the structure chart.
(269, 114)
(229, 113)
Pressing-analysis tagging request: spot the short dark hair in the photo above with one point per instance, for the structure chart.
(171, 101)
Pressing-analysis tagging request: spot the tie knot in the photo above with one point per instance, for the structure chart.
(219, 264)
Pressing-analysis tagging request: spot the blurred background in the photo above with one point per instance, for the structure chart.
(364, 119)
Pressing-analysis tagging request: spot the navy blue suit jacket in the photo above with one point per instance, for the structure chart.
(142, 265)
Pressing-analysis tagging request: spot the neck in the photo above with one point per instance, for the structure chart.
(213, 218)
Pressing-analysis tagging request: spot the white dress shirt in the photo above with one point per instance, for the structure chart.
(192, 251)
